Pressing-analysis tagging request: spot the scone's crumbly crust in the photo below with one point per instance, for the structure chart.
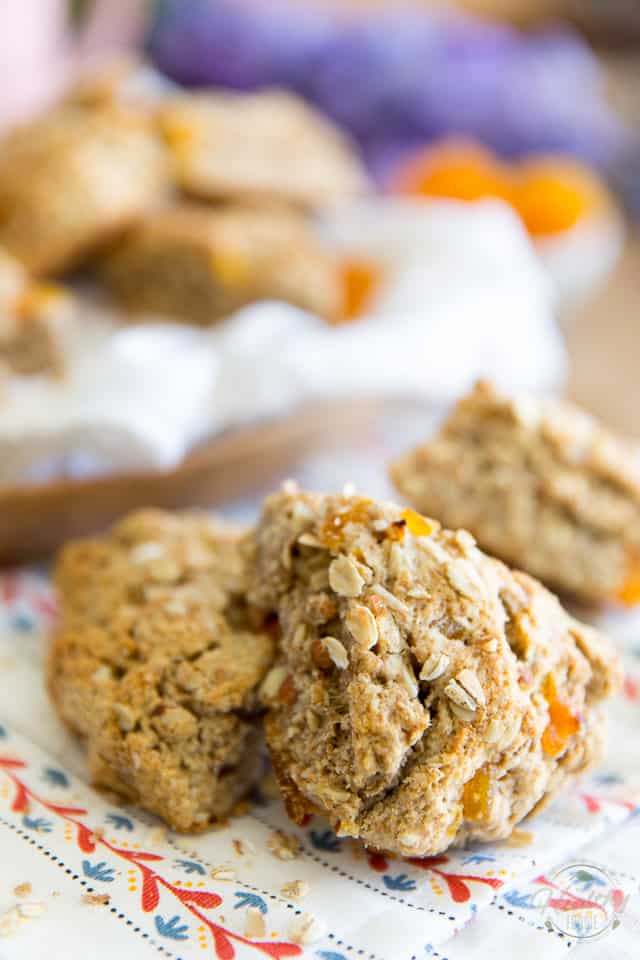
(540, 485)
(201, 263)
(157, 662)
(72, 179)
(263, 146)
(424, 695)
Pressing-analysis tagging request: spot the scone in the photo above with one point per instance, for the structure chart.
(199, 264)
(262, 146)
(13, 281)
(32, 331)
(72, 179)
(424, 695)
(157, 662)
(540, 485)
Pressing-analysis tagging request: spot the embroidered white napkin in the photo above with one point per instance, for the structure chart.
(104, 878)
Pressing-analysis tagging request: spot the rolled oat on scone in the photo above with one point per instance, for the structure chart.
(541, 485)
(424, 694)
(157, 662)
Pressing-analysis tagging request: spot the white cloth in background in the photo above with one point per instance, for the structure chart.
(464, 296)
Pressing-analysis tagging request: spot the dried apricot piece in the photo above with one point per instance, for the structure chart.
(360, 282)
(320, 654)
(287, 692)
(562, 723)
(552, 194)
(458, 169)
(418, 525)
(476, 796)
(629, 592)
(334, 524)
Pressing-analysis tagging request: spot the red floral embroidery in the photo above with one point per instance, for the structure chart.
(631, 689)
(456, 882)
(193, 900)
(568, 901)
(594, 804)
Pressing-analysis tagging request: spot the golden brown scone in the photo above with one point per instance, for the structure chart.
(424, 695)
(540, 485)
(157, 661)
(199, 264)
(13, 281)
(32, 331)
(262, 146)
(74, 178)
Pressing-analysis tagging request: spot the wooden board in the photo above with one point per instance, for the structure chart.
(36, 519)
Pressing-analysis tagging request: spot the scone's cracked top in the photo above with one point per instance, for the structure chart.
(424, 694)
(269, 145)
(539, 484)
(157, 663)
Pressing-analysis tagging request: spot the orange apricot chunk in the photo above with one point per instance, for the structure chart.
(360, 281)
(458, 169)
(418, 525)
(562, 723)
(475, 796)
(334, 524)
(552, 194)
(629, 592)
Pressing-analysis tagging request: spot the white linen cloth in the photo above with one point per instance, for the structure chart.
(464, 296)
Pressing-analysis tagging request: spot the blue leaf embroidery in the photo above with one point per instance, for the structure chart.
(326, 840)
(523, 900)
(3, 732)
(330, 955)
(249, 900)
(608, 779)
(98, 871)
(478, 858)
(401, 882)
(171, 928)
(57, 778)
(586, 879)
(190, 866)
(119, 821)
(37, 823)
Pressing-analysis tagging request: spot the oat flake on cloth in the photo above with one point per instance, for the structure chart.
(112, 881)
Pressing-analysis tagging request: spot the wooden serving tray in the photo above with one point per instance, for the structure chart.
(36, 519)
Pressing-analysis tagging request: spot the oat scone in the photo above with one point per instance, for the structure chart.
(13, 280)
(270, 145)
(200, 264)
(72, 179)
(424, 695)
(157, 662)
(540, 485)
(32, 331)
